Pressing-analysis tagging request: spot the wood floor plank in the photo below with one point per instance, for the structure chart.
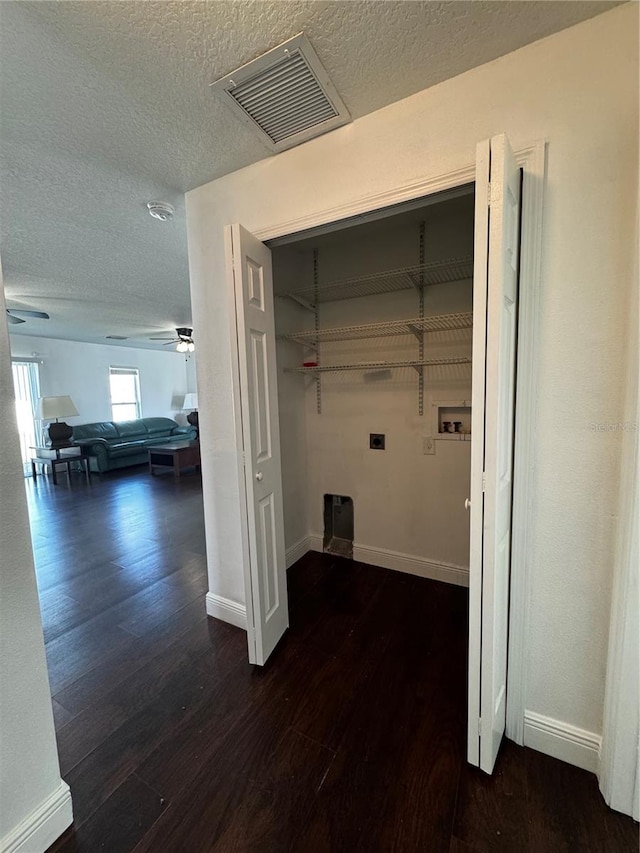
(72, 574)
(97, 776)
(281, 795)
(340, 597)
(125, 817)
(308, 573)
(247, 717)
(190, 631)
(89, 645)
(458, 846)
(193, 567)
(92, 726)
(621, 832)
(492, 811)
(60, 613)
(257, 805)
(61, 716)
(566, 810)
(146, 611)
(324, 709)
(349, 810)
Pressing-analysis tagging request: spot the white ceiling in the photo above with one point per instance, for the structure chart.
(106, 105)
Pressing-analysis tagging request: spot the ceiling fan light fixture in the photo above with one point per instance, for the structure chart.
(161, 210)
(183, 346)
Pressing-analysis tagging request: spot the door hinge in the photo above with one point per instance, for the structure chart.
(489, 194)
(484, 481)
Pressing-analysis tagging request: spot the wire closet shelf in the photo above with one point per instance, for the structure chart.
(414, 326)
(406, 278)
(379, 365)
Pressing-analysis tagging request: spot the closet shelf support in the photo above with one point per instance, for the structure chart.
(304, 303)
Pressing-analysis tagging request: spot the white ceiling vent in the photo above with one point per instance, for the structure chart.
(286, 94)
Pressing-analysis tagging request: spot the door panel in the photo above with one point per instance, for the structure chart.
(267, 591)
(260, 409)
(493, 398)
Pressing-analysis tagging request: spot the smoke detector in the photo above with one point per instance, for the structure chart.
(285, 94)
(161, 210)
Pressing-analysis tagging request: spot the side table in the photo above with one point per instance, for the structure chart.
(64, 454)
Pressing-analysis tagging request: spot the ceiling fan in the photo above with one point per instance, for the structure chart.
(40, 315)
(184, 340)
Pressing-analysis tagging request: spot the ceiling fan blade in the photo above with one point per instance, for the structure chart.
(168, 343)
(164, 338)
(40, 315)
(14, 320)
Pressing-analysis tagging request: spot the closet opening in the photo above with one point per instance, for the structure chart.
(374, 326)
(369, 328)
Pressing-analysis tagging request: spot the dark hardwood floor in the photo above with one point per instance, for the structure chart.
(352, 738)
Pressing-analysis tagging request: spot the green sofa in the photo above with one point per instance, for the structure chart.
(111, 444)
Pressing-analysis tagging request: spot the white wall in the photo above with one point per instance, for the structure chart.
(404, 501)
(578, 89)
(620, 754)
(29, 772)
(82, 371)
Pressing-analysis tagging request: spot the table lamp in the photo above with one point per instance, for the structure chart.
(57, 407)
(191, 403)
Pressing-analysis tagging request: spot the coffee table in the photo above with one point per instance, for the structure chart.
(175, 455)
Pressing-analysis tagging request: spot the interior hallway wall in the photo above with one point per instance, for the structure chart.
(31, 790)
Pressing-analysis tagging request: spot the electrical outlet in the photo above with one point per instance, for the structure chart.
(428, 445)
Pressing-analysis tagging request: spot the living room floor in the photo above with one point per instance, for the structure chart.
(352, 738)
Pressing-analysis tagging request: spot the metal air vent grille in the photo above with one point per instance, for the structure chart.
(286, 94)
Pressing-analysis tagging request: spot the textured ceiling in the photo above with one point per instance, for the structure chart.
(106, 105)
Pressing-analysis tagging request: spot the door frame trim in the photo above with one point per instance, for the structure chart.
(532, 160)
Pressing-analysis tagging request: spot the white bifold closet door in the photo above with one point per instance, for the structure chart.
(494, 352)
(495, 293)
(262, 513)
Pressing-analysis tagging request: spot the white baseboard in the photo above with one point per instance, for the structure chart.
(315, 542)
(398, 562)
(312, 542)
(226, 610)
(394, 560)
(37, 832)
(297, 550)
(562, 740)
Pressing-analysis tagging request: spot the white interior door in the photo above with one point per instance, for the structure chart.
(265, 574)
(497, 234)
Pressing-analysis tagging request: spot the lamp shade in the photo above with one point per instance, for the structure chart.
(190, 401)
(50, 408)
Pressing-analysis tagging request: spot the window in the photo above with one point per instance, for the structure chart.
(124, 384)
(26, 383)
